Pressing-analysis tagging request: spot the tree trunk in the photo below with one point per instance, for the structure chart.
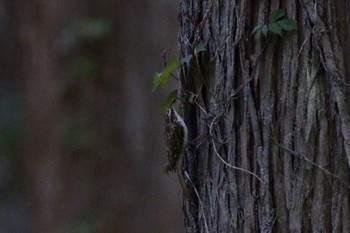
(268, 119)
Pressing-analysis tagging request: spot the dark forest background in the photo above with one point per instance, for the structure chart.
(81, 134)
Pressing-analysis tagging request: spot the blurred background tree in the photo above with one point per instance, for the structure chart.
(81, 134)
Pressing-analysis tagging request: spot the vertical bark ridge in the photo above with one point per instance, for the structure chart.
(277, 109)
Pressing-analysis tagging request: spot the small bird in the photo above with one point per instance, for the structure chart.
(176, 137)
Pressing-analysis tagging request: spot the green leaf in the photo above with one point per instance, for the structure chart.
(165, 104)
(288, 24)
(167, 169)
(201, 47)
(86, 67)
(163, 77)
(84, 226)
(264, 30)
(95, 28)
(275, 28)
(186, 60)
(258, 35)
(71, 133)
(276, 15)
(257, 28)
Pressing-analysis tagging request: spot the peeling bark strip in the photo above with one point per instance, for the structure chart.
(276, 109)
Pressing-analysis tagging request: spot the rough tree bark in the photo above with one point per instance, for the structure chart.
(277, 110)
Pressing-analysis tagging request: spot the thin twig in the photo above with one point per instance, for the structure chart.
(201, 24)
(234, 167)
(201, 108)
(302, 46)
(200, 201)
(303, 157)
(212, 124)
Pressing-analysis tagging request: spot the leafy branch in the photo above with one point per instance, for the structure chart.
(277, 24)
(163, 77)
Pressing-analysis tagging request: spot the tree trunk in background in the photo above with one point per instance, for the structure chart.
(38, 31)
(143, 198)
(279, 111)
(93, 130)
